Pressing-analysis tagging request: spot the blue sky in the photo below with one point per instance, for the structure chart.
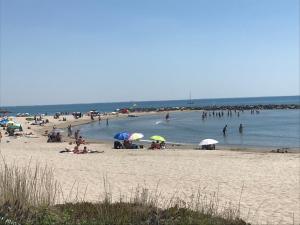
(71, 51)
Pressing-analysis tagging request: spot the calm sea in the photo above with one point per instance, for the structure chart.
(269, 128)
(109, 107)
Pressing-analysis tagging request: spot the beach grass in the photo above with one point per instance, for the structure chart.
(30, 195)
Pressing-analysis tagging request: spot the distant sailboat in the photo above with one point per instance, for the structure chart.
(190, 102)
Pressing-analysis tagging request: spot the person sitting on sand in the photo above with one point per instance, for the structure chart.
(152, 145)
(80, 141)
(127, 144)
(118, 145)
(155, 145)
(58, 137)
(76, 150)
(133, 146)
(162, 145)
(84, 150)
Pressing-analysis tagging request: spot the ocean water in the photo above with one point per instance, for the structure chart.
(269, 128)
(109, 107)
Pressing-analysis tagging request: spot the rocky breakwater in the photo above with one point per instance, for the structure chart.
(215, 107)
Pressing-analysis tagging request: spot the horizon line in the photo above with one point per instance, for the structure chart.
(114, 102)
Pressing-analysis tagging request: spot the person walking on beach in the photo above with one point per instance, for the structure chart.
(241, 129)
(107, 121)
(225, 130)
(0, 136)
(99, 118)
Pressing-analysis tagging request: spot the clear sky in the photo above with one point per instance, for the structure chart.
(76, 51)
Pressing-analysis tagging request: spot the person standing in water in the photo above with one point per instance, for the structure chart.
(107, 122)
(167, 116)
(241, 129)
(225, 130)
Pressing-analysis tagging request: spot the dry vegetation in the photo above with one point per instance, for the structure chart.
(29, 195)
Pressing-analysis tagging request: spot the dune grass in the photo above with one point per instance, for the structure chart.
(30, 195)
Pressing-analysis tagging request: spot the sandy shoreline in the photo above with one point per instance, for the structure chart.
(59, 123)
(269, 182)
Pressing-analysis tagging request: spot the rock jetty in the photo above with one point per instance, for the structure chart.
(215, 108)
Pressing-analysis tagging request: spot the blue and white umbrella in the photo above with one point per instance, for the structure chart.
(122, 136)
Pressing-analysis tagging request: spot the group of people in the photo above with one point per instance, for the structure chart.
(78, 141)
(209, 147)
(127, 144)
(220, 114)
(38, 120)
(254, 111)
(99, 119)
(157, 145)
(77, 115)
(241, 128)
(54, 136)
(76, 150)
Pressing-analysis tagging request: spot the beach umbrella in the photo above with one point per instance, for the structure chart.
(3, 121)
(10, 123)
(157, 138)
(208, 142)
(135, 136)
(122, 136)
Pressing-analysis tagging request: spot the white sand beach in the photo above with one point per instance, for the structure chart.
(266, 184)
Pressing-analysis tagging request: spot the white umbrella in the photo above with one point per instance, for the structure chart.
(135, 136)
(208, 142)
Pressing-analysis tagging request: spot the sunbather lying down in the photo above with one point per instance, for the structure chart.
(77, 151)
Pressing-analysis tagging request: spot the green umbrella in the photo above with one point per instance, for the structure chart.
(157, 138)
